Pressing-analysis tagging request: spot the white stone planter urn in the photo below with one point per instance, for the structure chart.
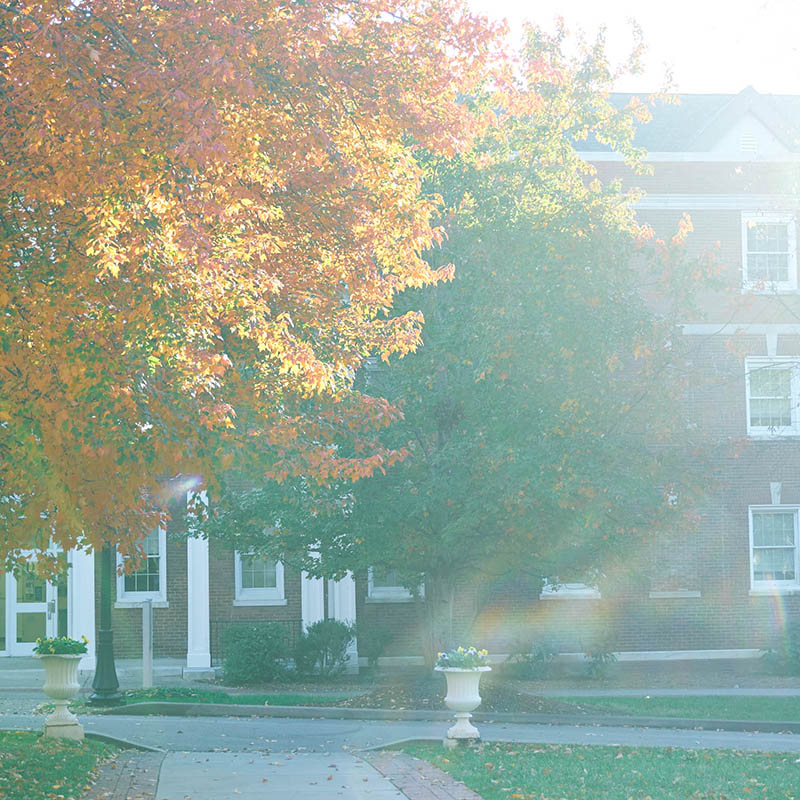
(463, 696)
(61, 683)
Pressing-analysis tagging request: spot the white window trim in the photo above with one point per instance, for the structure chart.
(776, 587)
(772, 218)
(569, 591)
(389, 594)
(127, 599)
(257, 597)
(754, 363)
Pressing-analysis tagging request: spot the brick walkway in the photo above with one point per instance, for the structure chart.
(418, 780)
(132, 774)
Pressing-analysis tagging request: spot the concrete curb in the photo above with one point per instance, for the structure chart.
(123, 744)
(337, 712)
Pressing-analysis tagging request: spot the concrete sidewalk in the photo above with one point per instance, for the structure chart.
(242, 776)
(247, 776)
(734, 691)
(28, 673)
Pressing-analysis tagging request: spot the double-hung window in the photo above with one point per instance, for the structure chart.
(774, 548)
(773, 393)
(258, 581)
(148, 581)
(384, 585)
(554, 589)
(769, 252)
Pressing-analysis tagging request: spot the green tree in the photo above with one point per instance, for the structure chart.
(542, 415)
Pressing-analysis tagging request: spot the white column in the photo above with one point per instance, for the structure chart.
(312, 600)
(342, 606)
(198, 651)
(80, 603)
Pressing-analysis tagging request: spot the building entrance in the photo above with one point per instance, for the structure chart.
(30, 608)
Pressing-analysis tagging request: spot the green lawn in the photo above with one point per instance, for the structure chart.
(564, 772)
(35, 768)
(779, 709)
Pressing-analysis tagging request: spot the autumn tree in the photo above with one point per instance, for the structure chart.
(206, 211)
(542, 413)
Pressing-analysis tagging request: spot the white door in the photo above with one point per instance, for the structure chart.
(31, 612)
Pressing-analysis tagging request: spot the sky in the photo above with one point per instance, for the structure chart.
(709, 45)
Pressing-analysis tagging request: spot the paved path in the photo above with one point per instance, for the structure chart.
(216, 775)
(419, 780)
(247, 776)
(732, 692)
(271, 734)
(131, 775)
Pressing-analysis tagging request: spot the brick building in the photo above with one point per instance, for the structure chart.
(732, 163)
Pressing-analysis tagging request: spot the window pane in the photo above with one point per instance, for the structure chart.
(146, 578)
(773, 564)
(771, 381)
(385, 578)
(768, 253)
(767, 238)
(258, 573)
(770, 397)
(30, 587)
(773, 530)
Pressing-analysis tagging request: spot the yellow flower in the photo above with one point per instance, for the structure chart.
(84, 640)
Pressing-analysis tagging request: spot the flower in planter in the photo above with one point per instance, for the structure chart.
(60, 646)
(463, 658)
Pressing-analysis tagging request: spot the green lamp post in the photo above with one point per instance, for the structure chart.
(105, 683)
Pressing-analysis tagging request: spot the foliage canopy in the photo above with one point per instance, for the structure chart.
(542, 414)
(206, 211)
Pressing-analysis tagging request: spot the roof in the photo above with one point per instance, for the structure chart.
(696, 121)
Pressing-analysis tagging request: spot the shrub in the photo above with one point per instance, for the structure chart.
(600, 656)
(372, 641)
(785, 657)
(532, 663)
(323, 648)
(255, 653)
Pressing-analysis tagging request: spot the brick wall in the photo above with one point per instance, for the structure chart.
(222, 592)
(404, 620)
(169, 624)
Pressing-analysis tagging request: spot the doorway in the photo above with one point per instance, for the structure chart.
(30, 607)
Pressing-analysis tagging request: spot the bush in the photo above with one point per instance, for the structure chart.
(372, 641)
(531, 663)
(323, 648)
(600, 656)
(785, 657)
(255, 653)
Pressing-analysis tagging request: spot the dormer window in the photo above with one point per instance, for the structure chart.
(769, 252)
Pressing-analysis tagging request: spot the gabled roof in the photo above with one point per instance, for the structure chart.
(697, 121)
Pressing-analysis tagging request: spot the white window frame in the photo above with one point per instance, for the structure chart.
(754, 363)
(127, 599)
(555, 590)
(775, 587)
(264, 596)
(389, 594)
(750, 218)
